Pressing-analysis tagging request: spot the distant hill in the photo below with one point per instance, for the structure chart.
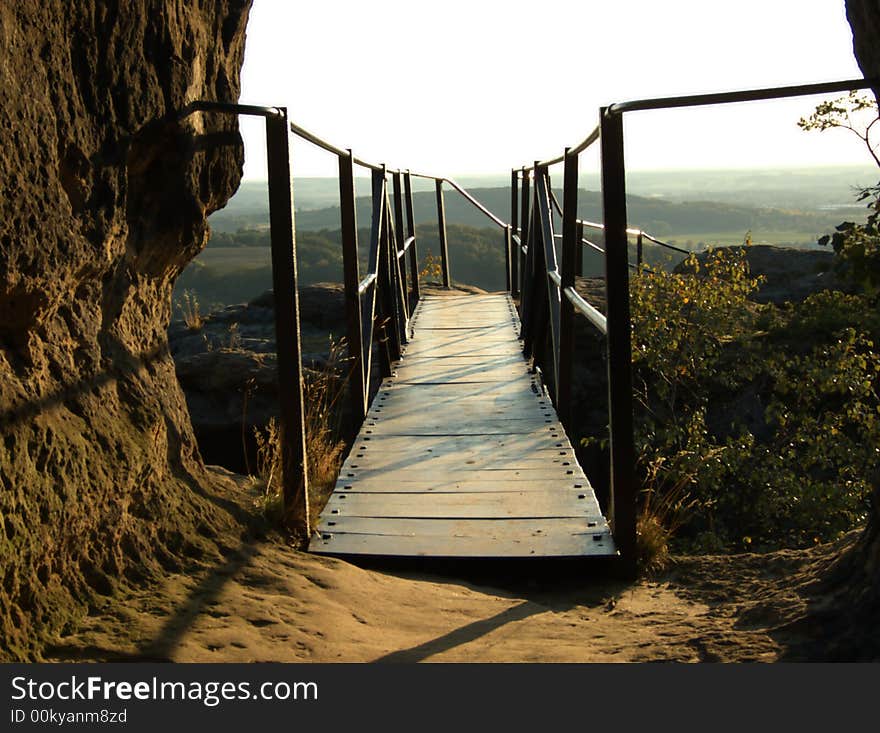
(235, 265)
(660, 217)
(828, 189)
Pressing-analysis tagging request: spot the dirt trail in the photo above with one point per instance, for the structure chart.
(265, 601)
(268, 602)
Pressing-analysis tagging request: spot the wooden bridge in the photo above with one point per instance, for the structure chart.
(461, 453)
(463, 447)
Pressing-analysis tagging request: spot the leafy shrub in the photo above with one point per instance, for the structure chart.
(764, 422)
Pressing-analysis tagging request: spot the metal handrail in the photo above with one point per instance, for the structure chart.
(586, 309)
(631, 231)
(576, 150)
(231, 108)
(330, 148)
(366, 283)
(747, 95)
(467, 195)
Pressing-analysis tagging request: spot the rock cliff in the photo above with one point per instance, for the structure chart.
(105, 198)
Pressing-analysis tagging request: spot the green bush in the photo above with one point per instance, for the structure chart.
(768, 415)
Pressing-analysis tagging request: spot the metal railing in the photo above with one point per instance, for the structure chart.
(379, 303)
(549, 300)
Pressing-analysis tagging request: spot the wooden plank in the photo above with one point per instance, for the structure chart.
(462, 347)
(496, 332)
(464, 504)
(470, 413)
(445, 402)
(544, 541)
(519, 389)
(465, 360)
(379, 461)
(476, 483)
(457, 373)
(500, 475)
(499, 444)
(476, 527)
(470, 423)
(471, 459)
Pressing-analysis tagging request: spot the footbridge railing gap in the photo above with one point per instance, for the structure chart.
(381, 301)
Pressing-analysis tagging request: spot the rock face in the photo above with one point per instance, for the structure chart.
(105, 198)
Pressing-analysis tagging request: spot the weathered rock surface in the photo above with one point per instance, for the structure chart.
(105, 198)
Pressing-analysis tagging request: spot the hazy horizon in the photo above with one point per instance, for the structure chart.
(634, 171)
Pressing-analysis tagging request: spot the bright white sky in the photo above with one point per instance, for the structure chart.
(480, 86)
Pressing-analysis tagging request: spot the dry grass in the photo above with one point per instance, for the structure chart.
(322, 392)
(665, 507)
(189, 310)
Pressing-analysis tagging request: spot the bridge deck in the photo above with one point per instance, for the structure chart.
(461, 454)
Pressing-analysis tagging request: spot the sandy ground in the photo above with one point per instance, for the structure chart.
(269, 602)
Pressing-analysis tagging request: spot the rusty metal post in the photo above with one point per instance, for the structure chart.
(294, 462)
(411, 232)
(514, 214)
(351, 277)
(441, 223)
(566, 309)
(639, 250)
(622, 505)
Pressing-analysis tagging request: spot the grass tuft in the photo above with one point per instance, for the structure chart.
(665, 507)
(189, 309)
(322, 392)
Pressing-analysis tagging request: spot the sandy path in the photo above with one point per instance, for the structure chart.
(272, 603)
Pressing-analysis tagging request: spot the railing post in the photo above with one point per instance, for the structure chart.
(294, 463)
(507, 254)
(401, 291)
(383, 309)
(535, 286)
(579, 252)
(514, 214)
(622, 509)
(351, 275)
(511, 256)
(570, 246)
(411, 232)
(524, 229)
(389, 287)
(639, 250)
(441, 223)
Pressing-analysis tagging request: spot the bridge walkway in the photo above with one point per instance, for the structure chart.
(462, 454)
